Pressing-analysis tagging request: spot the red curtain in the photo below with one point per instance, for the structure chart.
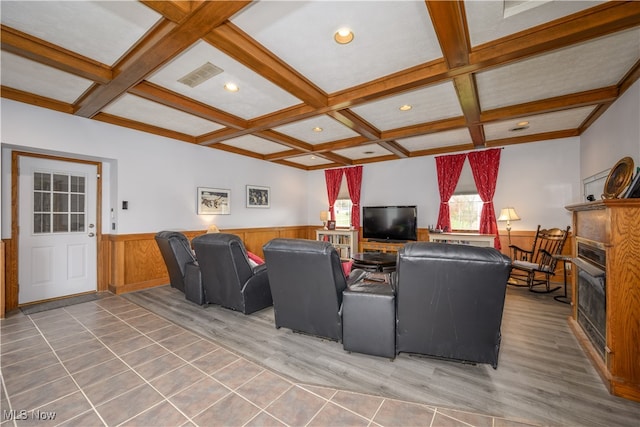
(334, 179)
(485, 165)
(448, 168)
(354, 182)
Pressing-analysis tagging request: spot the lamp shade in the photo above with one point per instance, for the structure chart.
(324, 215)
(213, 229)
(508, 214)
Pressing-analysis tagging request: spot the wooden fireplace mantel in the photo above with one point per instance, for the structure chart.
(614, 224)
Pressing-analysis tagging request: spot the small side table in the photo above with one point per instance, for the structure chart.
(369, 319)
(565, 259)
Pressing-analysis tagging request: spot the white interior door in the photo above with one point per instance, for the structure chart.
(57, 253)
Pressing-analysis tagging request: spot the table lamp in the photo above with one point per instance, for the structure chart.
(324, 217)
(508, 214)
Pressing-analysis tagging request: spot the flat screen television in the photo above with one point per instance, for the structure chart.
(390, 223)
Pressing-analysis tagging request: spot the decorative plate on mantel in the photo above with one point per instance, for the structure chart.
(618, 179)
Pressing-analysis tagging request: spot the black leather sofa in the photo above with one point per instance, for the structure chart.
(449, 301)
(307, 281)
(227, 277)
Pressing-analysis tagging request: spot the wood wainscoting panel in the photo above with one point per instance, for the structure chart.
(135, 261)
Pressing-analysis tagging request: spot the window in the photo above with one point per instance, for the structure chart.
(465, 206)
(343, 212)
(58, 203)
(343, 205)
(465, 211)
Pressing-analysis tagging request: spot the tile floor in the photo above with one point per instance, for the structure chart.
(110, 362)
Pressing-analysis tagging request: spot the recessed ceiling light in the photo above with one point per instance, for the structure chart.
(522, 123)
(317, 129)
(406, 107)
(231, 87)
(343, 36)
(313, 157)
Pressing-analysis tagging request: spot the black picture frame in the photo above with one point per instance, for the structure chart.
(633, 192)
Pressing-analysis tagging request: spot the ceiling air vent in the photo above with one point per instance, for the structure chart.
(200, 75)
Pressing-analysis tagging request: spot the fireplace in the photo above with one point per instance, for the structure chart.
(592, 303)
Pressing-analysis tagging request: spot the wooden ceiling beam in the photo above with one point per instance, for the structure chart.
(450, 24)
(163, 44)
(236, 150)
(285, 140)
(425, 128)
(343, 143)
(355, 123)
(237, 44)
(343, 161)
(180, 102)
(412, 78)
(590, 24)
(284, 155)
(533, 138)
(175, 11)
(38, 101)
(558, 103)
(143, 127)
(46, 53)
(397, 149)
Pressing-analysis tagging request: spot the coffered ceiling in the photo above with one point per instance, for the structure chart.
(475, 74)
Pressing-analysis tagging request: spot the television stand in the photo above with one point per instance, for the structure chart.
(371, 245)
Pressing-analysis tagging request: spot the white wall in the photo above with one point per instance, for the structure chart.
(537, 179)
(616, 134)
(156, 175)
(159, 176)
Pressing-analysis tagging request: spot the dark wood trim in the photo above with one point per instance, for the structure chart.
(11, 285)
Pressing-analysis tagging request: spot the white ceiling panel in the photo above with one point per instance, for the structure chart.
(309, 160)
(141, 110)
(599, 63)
(100, 30)
(389, 36)
(332, 130)
(428, 104)
(32, 77)
(436, 140)
(363, 152)
(491, 20)
(256, 144)
(257, 96)
(561, 120)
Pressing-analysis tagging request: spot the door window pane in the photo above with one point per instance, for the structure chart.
(60, 202)
(42, 181)
(61, 207)
(77, 222)
(60, 223)
(60, 182)
(42, 223)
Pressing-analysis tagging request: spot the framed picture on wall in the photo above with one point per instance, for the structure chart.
(213, 201)
(258, 197)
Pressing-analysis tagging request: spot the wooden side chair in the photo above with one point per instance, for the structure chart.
(536, 266)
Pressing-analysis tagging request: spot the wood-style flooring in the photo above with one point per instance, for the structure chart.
(543, 375)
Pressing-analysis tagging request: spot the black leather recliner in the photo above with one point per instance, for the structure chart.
(176, 252)
(227, 277)
(307, 280)
(450, 300)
